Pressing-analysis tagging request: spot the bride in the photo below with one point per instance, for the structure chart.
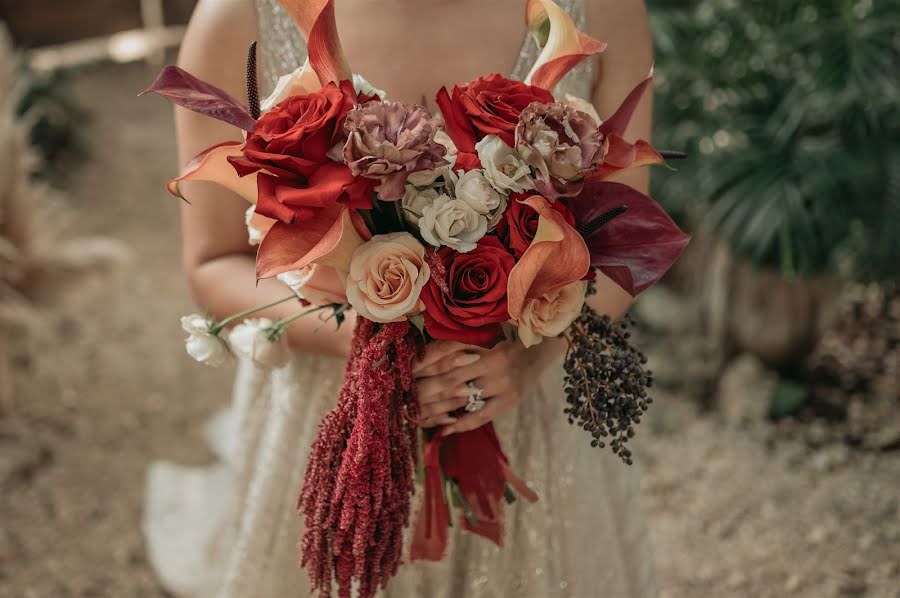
(231, 530)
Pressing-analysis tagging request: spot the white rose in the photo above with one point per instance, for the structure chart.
(360, 85)
(473, 188)
(252, 339)
(452, 222)
(202, 344)
(503, 167)
(551, 314)
(303, 80)
(386, 277)
(414, 202)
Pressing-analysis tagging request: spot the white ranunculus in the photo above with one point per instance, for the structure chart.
(452, 222)
(503, 167)
(473, 188)
(414, 202)
(251, 339)
(360, 85)
(303, 80)
(202, 344)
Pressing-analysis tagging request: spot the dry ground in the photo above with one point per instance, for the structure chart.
(102, 386)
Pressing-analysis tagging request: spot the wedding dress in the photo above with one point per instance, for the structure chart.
(230, 530)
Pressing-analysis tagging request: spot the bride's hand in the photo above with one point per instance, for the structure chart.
(505, 375)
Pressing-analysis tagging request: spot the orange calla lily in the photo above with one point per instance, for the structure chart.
(556, 257)
(330, 238)
(315, 19)
(212, 165)
(623, 155)
(562, 45)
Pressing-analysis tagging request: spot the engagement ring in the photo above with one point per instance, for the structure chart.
(475, 401)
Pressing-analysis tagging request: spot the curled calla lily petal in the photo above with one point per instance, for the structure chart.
(556, 257)
(635, 248)
(315, 19)
(212, 165)
(562, 45)
(182, 88)
(623, 155)
(330, 237)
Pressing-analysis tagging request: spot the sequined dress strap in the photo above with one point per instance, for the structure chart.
(282, 48)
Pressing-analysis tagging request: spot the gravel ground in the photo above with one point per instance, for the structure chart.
(101, 387)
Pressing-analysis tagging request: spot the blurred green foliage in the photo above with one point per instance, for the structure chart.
(790, 111)
(53, 121)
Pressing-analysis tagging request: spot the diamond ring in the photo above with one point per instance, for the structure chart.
(475, 401)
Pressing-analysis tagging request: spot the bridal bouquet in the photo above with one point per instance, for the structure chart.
(484, 223)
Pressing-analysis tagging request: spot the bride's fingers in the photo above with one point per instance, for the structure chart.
(448, 363)
(492, 409)
(430, 390)
(433, 422)
(439, 408)
(435, 352)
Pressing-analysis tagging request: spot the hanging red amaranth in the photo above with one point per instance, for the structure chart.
(359, 480)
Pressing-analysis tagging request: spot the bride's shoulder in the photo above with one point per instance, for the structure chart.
(217, 39)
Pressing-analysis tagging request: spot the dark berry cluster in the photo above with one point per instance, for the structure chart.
(606, 383)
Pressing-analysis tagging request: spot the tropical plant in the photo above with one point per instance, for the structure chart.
(790, 108)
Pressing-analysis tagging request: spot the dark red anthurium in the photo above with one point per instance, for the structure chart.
(636, 247)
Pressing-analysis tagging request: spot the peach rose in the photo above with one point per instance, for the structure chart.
(387, 274)
(551, 314)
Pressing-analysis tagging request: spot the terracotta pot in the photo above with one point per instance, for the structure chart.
(757, 311)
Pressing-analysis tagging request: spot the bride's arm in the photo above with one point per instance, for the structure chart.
(627, 60)
(216, 257)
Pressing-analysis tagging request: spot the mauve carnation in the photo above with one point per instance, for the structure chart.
(389, 141)
(562, 144)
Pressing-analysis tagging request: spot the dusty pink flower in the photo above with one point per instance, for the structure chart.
(561, 144)
(389, 141)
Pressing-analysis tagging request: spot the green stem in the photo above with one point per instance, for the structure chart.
(216, 329)
(285, 321)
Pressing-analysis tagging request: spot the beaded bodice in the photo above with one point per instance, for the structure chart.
(282, 48)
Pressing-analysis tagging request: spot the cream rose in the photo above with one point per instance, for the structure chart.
(414, 202)
(551, 314)
(316, 283)
(452, 222)
(387, 274)
(257, 225)
(473, 188)
(361, 85)
(503, 167)
(303, 80)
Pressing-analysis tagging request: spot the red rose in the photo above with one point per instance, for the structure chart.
(467, 302)
(519, 223)
(487, 106)
(291, 143)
